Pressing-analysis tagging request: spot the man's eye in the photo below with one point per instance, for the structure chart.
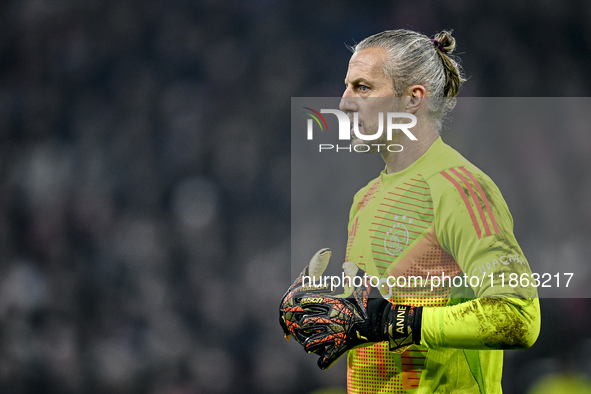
(363, 88)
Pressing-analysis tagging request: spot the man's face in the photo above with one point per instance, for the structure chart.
(365, 81)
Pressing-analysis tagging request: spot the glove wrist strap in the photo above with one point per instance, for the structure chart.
(402, 325)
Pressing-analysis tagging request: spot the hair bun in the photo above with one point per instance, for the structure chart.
(447, 42)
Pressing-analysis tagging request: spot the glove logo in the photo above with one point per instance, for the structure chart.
(396, 239)
(312, 300)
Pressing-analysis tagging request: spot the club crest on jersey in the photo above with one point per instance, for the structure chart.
(396, 239)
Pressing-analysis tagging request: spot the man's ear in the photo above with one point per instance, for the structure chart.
(417, 95)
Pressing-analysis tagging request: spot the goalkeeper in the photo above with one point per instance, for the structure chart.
(430, 213)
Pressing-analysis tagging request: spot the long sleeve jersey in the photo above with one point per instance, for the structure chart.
(441, 233)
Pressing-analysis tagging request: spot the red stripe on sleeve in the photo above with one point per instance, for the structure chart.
(475, 199)
(486, 203)
(465, 198)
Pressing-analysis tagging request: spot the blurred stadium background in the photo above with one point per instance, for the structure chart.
(145, 182)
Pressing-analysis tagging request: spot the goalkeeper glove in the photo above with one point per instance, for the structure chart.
(290, 310)
(332, 325)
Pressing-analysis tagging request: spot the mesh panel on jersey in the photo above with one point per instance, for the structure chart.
(374, 369)
(405, 212)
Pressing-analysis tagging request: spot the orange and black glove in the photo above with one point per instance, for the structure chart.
(329, 326)
(290, 310)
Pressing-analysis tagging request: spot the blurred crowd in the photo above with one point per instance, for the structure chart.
(145, 180)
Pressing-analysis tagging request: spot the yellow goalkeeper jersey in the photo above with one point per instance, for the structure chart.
(440, 232)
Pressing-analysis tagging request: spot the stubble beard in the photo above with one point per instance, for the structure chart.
(382, 140)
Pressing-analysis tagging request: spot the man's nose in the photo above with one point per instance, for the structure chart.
(348, 101)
